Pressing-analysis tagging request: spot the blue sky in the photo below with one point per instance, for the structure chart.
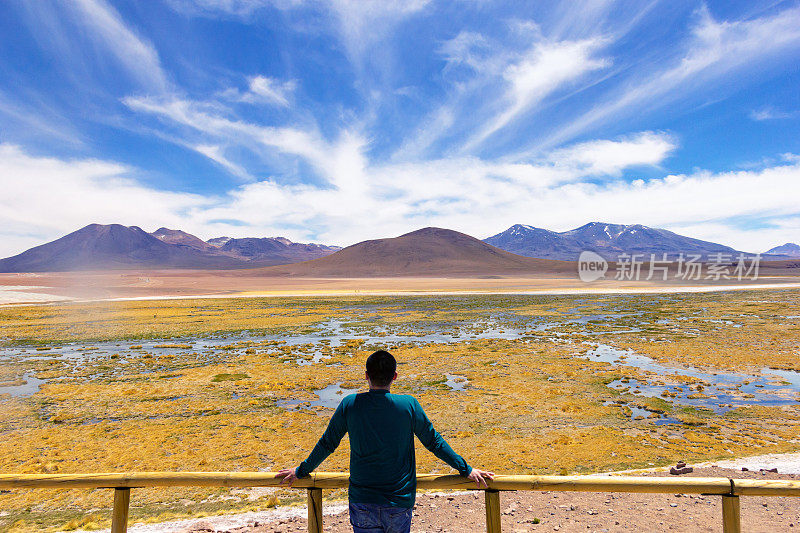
(336, 121)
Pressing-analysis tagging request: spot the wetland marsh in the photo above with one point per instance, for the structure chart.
(517, 384)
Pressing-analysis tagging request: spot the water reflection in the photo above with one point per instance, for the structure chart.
(455, 382)
(329, 397)
(30, 386)
(640, 413)
(719, 391)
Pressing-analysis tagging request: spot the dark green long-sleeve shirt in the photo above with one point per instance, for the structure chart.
(382, 461)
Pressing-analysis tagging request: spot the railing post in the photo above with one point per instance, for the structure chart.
(731, 517)
(119, 516)
(492, 511)
(314, 510)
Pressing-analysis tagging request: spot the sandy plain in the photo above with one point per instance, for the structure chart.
(82, 286)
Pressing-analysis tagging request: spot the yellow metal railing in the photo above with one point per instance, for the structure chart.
(729, 489)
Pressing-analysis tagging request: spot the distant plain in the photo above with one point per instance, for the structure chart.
(103, 285)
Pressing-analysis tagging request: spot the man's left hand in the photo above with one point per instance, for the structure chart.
(289, 476)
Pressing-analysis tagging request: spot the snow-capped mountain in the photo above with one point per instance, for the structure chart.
(608, 240)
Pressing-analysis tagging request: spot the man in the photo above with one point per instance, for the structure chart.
(383, 481)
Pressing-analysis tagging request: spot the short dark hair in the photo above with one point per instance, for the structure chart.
(381, 366)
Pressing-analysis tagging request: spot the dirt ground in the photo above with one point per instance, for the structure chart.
(128, 284)
(575, 511)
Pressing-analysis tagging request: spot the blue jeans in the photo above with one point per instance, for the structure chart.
(373, 518)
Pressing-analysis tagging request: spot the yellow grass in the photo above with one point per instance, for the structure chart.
(530, 407)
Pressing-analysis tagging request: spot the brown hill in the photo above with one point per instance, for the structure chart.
(176, 236)
(425, 252)
(112, 246)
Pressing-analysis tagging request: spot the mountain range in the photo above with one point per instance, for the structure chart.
(113, 246)
(261, 251)
(428, 251)
(608, 240)
(789, 249)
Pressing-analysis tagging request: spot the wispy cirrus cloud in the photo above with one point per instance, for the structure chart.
(341, 162)
(216, 153)
(38, 119)
(768, 113)
(88, 51)
(543, 69)
(716, 48)
(263, 89)
(515, 80)
(238, 8)
(359, 24)
(362, 23)
(135, 54)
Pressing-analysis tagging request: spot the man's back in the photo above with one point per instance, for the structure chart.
(383, 478)
(382, 462)
(382, 426)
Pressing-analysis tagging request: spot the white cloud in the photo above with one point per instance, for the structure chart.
(467, 48)
(493, 85)
(359, 24)
(272, 90)
(543, 69)
(46, 197)
(341, 162)
(40, 118)
(216, 154)
(607, 157)
(264, 89)
(362, 23)
(361, 199)
(705, 196)
(752, 240)
(768, 113)
(208, 119)
(466, 192)
(239, 8)
(135, 54)
(482, 198)
(716, 48)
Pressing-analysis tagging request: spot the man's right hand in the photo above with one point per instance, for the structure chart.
(289, 476)
(480, 477)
